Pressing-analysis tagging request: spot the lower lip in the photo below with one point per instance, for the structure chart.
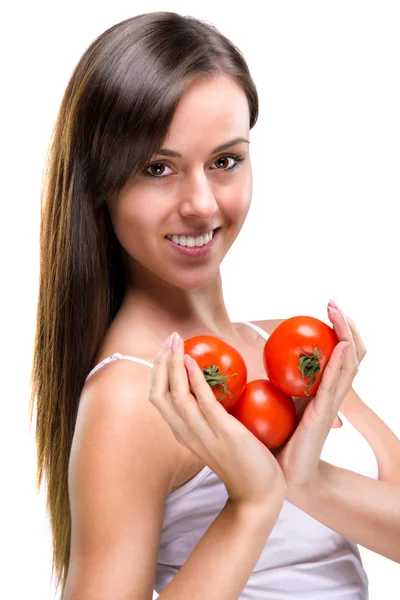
(196, 251)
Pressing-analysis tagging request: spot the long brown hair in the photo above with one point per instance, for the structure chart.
(114, 116)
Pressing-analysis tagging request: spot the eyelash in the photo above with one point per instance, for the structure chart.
(236, 157)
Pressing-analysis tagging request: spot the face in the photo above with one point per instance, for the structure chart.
(196, 192)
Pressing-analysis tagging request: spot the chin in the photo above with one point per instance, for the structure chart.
(195, 281)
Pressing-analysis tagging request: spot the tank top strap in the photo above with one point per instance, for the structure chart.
(261, 331)
(118, 356)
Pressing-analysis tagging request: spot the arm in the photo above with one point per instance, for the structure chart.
(362, 509)
(222, 562)
(120, 471)
(122, 468)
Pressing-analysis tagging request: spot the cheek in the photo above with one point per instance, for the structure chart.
(241, 203)
(238, 200)
(245, 186)
(245, 208)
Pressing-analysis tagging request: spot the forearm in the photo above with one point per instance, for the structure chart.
(222, 562)
(362, 509)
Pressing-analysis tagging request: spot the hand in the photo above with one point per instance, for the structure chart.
(185, 400)
(300, 457)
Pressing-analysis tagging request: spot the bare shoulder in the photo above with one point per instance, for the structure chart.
(114, 411)
(119, 475)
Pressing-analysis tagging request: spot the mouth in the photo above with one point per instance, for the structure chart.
(176, 238)
(203, 247)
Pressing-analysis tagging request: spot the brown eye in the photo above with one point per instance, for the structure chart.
(224, 165)
(157, 169)
(223, 158)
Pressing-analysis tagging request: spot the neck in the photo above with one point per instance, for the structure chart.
(165, 308)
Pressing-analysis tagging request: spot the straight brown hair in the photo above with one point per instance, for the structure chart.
(114, 116)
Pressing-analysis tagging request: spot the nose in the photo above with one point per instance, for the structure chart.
(197, 198)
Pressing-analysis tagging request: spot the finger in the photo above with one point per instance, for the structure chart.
(178, 381)
(327, 399)
(159, 372)
(196, 430)
(353, 358)
(159, 394)
(361, 348)
(345, 333)
(348, 372)
(214, 413)
(340, 325)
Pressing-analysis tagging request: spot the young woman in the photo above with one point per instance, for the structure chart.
(151, 483)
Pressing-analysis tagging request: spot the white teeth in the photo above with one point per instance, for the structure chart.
(191, 242)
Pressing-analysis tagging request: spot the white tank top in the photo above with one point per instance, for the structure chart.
(302, 558)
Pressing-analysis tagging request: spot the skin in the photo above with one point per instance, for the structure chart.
(170, 292)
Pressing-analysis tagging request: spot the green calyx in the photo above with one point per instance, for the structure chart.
(216, 379)
(309, 367)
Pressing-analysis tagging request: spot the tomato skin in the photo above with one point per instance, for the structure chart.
(288, 343)
(267, 412)
(208, 350)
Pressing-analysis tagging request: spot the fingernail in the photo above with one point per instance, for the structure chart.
(344, 349)
(167, 342)
(333, 304)
(175, 342)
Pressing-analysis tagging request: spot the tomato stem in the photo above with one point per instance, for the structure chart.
(309, 366)
(216, 379)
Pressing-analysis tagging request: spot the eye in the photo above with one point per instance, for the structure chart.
(225, 158)
(155, 166)
(159, 165)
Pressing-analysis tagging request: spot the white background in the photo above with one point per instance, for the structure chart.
(325, 156)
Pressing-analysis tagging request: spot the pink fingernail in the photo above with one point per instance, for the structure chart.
(175, 342)
(167, 342)
(345, 348)
(334, 304)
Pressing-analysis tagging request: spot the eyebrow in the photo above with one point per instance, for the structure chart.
(166, 152)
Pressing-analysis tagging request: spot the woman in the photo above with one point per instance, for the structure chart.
(148, 484)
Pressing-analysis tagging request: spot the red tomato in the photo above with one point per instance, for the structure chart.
(267, 412)
(223, 367)
(296, 353)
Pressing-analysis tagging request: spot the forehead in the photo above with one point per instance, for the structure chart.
(210, 112)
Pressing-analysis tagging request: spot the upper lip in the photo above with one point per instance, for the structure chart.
(194, 234)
